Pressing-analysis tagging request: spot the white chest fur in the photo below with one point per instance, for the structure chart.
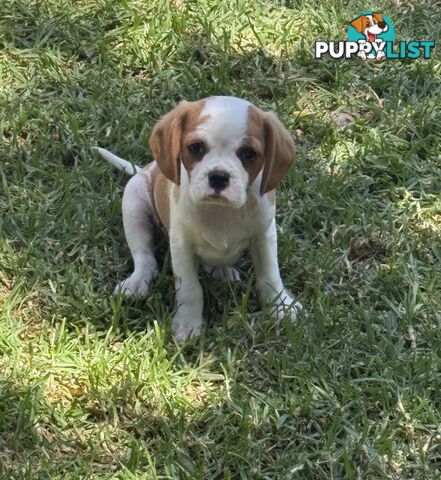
(220, 234)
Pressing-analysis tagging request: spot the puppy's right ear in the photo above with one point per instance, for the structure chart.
(358, 24)
(165, 142)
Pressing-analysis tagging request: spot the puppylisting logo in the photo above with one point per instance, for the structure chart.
(371, 36)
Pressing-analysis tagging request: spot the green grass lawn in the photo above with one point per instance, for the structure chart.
(92, 387)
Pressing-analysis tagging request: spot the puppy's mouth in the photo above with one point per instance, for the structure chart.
(218, 198)
(371, 36)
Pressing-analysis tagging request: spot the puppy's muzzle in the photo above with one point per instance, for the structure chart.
(218, 180)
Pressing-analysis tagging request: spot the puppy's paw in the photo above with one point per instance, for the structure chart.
(224, 274)
(135, 286)
(381, 55)
(288, 308)
(185, 326)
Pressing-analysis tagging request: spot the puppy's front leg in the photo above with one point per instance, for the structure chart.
(188, 318)
(263, 251)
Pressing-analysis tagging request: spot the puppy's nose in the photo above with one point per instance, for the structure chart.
(381, 24)
(218, 180)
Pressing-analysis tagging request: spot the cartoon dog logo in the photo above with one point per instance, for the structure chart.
(371, 26)
(371, 35)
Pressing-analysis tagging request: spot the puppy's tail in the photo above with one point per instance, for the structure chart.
(118, 162)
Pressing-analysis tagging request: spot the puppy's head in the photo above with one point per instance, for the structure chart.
(225, 145)
(370, 25)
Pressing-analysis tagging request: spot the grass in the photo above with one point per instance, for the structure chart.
(92, 387)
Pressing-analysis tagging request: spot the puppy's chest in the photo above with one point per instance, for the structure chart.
(220, 249)
(222, 241)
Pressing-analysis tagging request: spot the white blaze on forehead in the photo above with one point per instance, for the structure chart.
(226, 122)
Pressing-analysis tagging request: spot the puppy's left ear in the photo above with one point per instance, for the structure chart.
(358, 23)
(165, 142)
(279, 152)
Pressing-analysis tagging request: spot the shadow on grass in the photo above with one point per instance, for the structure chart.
(64, 212)
(61, 217)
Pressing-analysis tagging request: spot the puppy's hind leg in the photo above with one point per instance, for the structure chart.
(139, 228)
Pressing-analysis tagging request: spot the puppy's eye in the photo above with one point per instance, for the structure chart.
(196, 148)
(247, 154)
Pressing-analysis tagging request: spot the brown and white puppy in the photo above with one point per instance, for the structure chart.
(217, 162)
(370, 26)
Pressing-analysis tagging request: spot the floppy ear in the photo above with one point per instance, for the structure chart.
(165, 142)
(378, 15)
(358, 23)
(279, 152)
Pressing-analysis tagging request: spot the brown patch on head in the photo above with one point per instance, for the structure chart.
(275, 147)
(360, 23)
(378, 15)
(169, 139)
(193, 148)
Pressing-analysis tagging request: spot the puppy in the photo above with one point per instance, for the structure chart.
(217, 163)
(370, 26)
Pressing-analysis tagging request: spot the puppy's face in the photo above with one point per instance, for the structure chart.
(223, 143)
(370, 25)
